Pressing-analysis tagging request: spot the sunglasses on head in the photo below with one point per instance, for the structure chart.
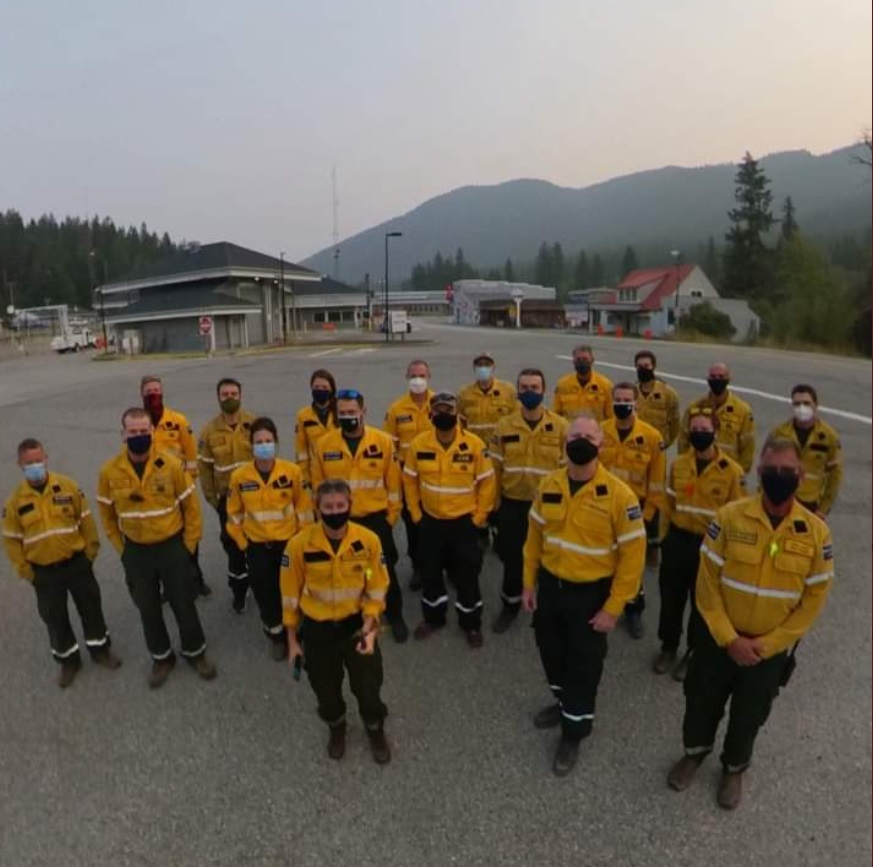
(349, 394)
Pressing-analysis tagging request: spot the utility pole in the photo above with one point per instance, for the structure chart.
(282, 295)
(336, 237)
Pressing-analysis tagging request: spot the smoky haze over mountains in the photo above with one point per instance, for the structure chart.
(673, 207)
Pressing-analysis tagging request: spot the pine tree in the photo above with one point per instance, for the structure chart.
(748, 266)
(598, 271)
(629, 261)
(558, 265)
(543, 266)
(789, 221)
(508, 271)
(711, 263)
(582, 274)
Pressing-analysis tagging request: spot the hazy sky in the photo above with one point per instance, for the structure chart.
(221, 121)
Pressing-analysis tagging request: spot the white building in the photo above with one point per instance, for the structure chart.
(467, 294)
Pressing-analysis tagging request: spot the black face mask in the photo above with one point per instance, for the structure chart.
(623, 411)
(444, 420)
(321, 395)
(717, 386)
(583, 368)
(581, 451)
(701, 440)
(645, 374)
(779, 484)
(140, 444)
(349, 425)
(337, 520)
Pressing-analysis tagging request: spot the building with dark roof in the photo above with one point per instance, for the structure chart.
(251, 298)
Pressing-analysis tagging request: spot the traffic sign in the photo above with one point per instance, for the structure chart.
(205, 325)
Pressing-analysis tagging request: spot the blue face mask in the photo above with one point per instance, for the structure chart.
(530, 399)
(35, 473)
(264, 451)
(483, 374)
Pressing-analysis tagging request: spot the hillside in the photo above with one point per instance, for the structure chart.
(674, 207)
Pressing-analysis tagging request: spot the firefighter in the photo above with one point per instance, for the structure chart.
(316, 419)
(334, 583)
(449, 484)
(525, 447)
(657, 402)
(699, 483)
(736, 424)
(634, 452)
(820, 451)
(406, 418)
(584, 389)
(364, 457)
(585, 550)
(487, 400)
(51, 541)
(766, 567)
(173, 434)
(267, 503)
(151, 515)
(225, 444)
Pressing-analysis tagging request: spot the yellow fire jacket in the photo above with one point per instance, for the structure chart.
(481, 410)
(764, 583)
(372, 472)
(639, 461)
(48, 526)
(572, 398)
(693, 500)
(822, 458)
(659, 407)
(325, 584)
(152, 509)
(271, 511)
(523, 457)
(173, 434)
(449, 482)
(308, 430)
(596, 533)
(736, 432)
(222, 449)
(405, 420)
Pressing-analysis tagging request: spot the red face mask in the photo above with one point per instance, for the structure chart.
(154, 406)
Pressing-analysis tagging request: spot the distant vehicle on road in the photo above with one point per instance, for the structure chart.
(73, 341)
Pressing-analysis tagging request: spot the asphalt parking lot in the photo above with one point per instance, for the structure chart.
(234, 772)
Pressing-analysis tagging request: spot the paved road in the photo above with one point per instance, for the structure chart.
(234, 771)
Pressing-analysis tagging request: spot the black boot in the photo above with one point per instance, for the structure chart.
(336, 745)
(379, 745)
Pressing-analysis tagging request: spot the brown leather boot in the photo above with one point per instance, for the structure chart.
(69, 669)
(336, 746)
(161, 669)
(379, 745)
(682, 773)
(107, 659)
(664, 661)
(730, 790)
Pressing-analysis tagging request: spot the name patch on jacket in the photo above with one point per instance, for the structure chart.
(401, 419)
(332, 456)
(425, 456)
(818, 447)
(27, 507)
(249, 486)
(741, 537)
(511, 438)
(316, 557)
(552, 497)
(792, 546)
(62, 500)
(463, 459)
(310, 423)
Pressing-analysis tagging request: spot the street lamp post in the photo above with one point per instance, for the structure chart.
(677, 256)
(518, 297)
(385, 304)
(282, 295)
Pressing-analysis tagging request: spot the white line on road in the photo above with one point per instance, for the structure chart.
(362, 351)
(842, 413)
(325, 352)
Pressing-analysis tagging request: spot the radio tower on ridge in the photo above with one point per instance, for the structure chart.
(336, 237)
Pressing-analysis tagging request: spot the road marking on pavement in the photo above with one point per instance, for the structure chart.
(362, 351)
(842, 413)
(325, 352)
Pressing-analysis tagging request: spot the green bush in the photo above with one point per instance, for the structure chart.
(705, 319)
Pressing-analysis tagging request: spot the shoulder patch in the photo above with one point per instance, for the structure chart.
(827, 551)
(286, 561)
(713, 530)
(634, 512)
